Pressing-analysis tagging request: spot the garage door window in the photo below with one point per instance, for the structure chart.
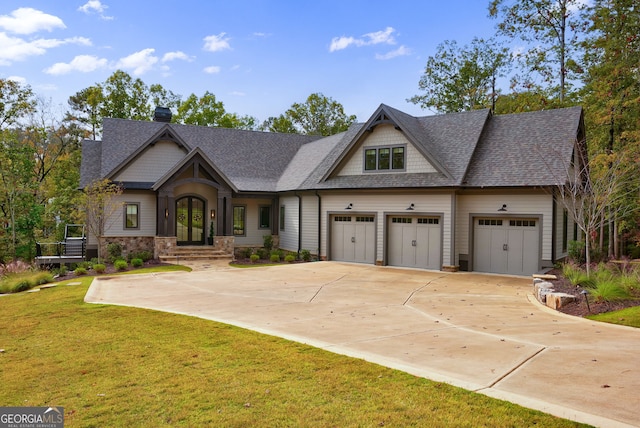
(428, 221)
(367, 219)
(489, 222)
(342, 218)
(406, 220)
(522, 223)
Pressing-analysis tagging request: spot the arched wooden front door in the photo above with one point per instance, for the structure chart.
(190, 221)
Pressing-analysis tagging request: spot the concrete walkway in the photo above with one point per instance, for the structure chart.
(485, 333)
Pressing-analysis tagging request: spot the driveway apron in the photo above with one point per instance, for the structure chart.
(481, 332)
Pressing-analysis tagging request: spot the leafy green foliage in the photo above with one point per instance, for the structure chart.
(290, 258)
(120, 264)
(100, 267)
(608, 290)
(267, 242)
(17, 282)
(462, 78)
(208, 111)
(318, 115)
(275, 258)
(80, 271)
(305, 255)
(254, 258)
(136, 262)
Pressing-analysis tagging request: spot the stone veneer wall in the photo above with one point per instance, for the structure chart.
(164, 245)
(224, 243)
(130, 244)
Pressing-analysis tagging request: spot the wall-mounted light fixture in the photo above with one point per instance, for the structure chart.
(504, 207)
(411, 207)
(166, 213)
(213, 214)
(349, 207)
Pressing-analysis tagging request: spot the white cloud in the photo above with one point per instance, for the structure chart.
(140, 62)
(217, 43)
(213, 69)
(18, 79)
(95, 6)
(172, 56)
(378, 37)
(401, 51)
(81, 63)
(26, 20)
(238, 93)
(17, 49)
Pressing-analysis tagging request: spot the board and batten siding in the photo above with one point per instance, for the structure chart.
(253, 234)
(152, 163)
(310, 223)
(387, 136)
(289, 236)
(522, 204)
(384, 204)
(146, 213)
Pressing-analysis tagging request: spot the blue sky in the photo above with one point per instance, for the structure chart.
(258, 57)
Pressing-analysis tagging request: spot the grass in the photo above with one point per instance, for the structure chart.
(119, 366)
(17, 282)
(629, 317)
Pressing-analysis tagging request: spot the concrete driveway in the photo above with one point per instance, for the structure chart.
(485, 333)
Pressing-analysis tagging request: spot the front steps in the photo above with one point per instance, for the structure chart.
(195, 253)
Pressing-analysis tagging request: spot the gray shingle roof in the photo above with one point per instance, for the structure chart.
(469, 149)
(525, 149)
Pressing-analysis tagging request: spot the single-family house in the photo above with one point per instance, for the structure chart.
(472, 191)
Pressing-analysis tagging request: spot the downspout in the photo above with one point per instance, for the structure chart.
(319, 223)
(299, 223)
(553, 226)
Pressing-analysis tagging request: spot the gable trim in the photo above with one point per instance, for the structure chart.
(166, 133)
(190, 156)
(384, 115)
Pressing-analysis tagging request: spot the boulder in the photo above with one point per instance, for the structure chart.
(541, 289)
(558, 300)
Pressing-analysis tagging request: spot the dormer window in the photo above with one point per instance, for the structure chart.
(384, 158)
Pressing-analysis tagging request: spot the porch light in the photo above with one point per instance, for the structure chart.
(411, 207)
(166, 213)
(349, 207)
(213, 214)
(504, 207)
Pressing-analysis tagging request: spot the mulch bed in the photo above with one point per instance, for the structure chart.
(579, 307)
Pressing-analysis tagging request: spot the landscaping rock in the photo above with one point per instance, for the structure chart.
(541, 289)
(558, 300)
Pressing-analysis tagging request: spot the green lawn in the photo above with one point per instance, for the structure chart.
(112, 366)
(629, 317)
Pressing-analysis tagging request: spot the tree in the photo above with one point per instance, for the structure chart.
(462, 78)
(594, 190)
(318, 115)
(85, 108)
(208, 111)
(100, 202)
(549, 29)
(126, 98)
(16, 101)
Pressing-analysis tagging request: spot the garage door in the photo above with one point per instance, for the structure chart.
(353, 238)
(506, 245)
(415, 241)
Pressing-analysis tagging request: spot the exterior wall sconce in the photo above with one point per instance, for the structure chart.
(349, 207)
(504, 207)
(213, 214)
(411, 207)
(166, 213)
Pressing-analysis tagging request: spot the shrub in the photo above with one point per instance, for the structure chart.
(267, 242)
(305, 255)
(16, 266)
(99, 268)
(275, 258)
(22, 285)
(290, 258)
(62, 270)
(145, 256)
(245, 253)
(120, 264)
(80, 271)
(576, 252)
(136, 262)
(114, 250)
(263, 253)
(254, 258)
(576, 276)
(15, 283)
(608, 291)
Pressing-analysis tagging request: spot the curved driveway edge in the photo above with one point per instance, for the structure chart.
(481, 332)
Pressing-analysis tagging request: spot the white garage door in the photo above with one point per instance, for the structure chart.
(353, 238)
(415, 242)
(506, 245)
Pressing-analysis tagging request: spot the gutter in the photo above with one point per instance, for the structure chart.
(319, 223)
(299, 223)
